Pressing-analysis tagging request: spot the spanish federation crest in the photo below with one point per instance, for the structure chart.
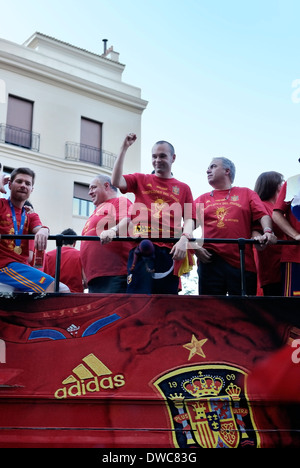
(208, 407)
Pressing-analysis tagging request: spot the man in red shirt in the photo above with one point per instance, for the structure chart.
(14, 253)
(229, 213)
(284, 217)
(105, 265)
(161, 204)
(71, 272)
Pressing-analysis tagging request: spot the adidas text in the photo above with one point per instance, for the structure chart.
(82, 387)
(90, 376)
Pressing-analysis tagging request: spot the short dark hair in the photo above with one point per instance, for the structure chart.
(68, 232)
(22, 170)
(161, 142)
(267, 184)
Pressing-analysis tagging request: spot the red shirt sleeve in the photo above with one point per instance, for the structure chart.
(131, 181)
(281, 204)
(34, 221)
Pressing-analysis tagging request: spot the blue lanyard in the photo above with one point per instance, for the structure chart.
(23, 217)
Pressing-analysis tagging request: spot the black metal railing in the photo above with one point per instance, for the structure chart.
(19, 137)
(89, 154)
(59, 238)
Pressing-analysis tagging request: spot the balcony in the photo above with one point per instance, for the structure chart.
(89, 154)
(19, 137)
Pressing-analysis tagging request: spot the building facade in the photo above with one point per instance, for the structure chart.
(64, 113)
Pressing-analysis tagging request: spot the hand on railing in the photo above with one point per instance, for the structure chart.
(263, 240)
(201, 253)
(107, 236)
(41, 237)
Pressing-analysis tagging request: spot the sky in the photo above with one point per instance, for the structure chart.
(221, 77)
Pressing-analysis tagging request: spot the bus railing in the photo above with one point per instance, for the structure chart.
(60, 238)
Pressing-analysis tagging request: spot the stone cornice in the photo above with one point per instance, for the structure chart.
(24, 61)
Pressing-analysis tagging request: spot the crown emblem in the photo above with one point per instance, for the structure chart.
(204, 386)
(233, 391)
(177, 399)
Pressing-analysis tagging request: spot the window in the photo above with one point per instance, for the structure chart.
(90, 141)
(82, 204)
(19, 122)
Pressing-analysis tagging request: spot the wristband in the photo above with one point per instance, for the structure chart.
(267, 229)
(186, 235)
(115, 228)
(45, 227)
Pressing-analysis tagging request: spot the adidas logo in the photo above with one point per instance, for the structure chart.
(73, 329)
(90, 377)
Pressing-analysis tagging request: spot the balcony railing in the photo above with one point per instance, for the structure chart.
(240, 243)
(19, 137)
(89, 154)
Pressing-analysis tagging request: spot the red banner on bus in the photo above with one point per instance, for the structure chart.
(149, 371)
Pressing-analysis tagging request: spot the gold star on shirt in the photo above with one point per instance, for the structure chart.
(195, 347)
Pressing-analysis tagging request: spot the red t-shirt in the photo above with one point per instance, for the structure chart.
(7, 254)
(70, 267)
(231, 214)
(160, 205)
(268, 260)
(290, 253)
(108, 259)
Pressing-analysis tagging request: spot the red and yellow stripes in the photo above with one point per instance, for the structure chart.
(288, 282)
(20, 279)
